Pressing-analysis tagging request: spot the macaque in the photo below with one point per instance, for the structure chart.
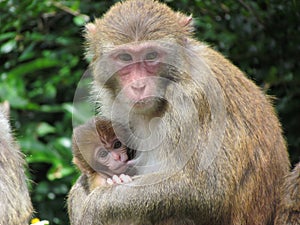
(288, 212)
(100, 155)
(15, 203)
(209, 146)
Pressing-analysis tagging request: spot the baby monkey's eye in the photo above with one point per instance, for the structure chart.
(117, 144)
(151, 56)
(102, 153)
(125, 57)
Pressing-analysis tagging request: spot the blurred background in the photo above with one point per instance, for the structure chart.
(42, 61)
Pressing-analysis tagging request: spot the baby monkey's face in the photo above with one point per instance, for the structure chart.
(111, 154)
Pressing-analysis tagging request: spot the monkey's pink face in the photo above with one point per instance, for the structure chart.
(137, 72)
(111, 156)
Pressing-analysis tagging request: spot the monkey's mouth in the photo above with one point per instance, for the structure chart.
(152, 102)
(145, 101)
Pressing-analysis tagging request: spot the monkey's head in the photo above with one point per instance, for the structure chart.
(133, 53)
(97, 148)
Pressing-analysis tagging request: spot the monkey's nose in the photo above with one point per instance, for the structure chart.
(119, 157)
(138, 89)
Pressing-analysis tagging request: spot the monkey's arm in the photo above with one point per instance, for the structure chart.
(137, 204)
(97, 180)
(76, 199)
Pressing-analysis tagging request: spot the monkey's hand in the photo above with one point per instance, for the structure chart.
(122, 179)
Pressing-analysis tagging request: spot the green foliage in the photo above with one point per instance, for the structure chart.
(42, 62)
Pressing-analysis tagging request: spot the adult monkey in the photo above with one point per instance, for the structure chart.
(15, 204)
(210, 146)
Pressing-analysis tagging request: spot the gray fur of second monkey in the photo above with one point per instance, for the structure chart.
(15, 204)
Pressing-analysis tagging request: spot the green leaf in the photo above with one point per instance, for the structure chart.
(28, 53)
(11, 94)
(59, 171)
(8, 46)
(33, 66)
(80, 20)
(8, 35)
(44, 128)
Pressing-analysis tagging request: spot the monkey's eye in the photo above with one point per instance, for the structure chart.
(125, 57)
(151, 56)
(117, 144)
(102, 153)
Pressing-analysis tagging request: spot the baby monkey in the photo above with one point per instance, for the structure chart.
(100, 155)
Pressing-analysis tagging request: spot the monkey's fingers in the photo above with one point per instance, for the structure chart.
(109, 181)
(122, 179)
(125, 178)
(116, 179)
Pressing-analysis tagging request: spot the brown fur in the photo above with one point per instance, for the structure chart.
(242, 183)
(289, 208)
(15, 204)
(118, 29)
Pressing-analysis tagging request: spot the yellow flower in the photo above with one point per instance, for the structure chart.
(36, 221)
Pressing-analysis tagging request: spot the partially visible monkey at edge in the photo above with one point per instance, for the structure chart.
(142, 54)
(15, 203)
(288, 212)
(100, 155)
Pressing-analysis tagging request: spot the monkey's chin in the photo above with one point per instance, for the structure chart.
(120, 169)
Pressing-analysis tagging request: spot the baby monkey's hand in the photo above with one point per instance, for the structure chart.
(122, 179)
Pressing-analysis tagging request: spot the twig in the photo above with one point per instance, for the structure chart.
(250, 9)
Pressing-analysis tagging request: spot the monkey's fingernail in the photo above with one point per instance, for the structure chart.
(109, 181)
(125, 178)
(117, 179)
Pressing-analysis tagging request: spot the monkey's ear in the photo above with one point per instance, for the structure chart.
(90, 35)
(90, 31)
(90, 28)
(186, 22)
